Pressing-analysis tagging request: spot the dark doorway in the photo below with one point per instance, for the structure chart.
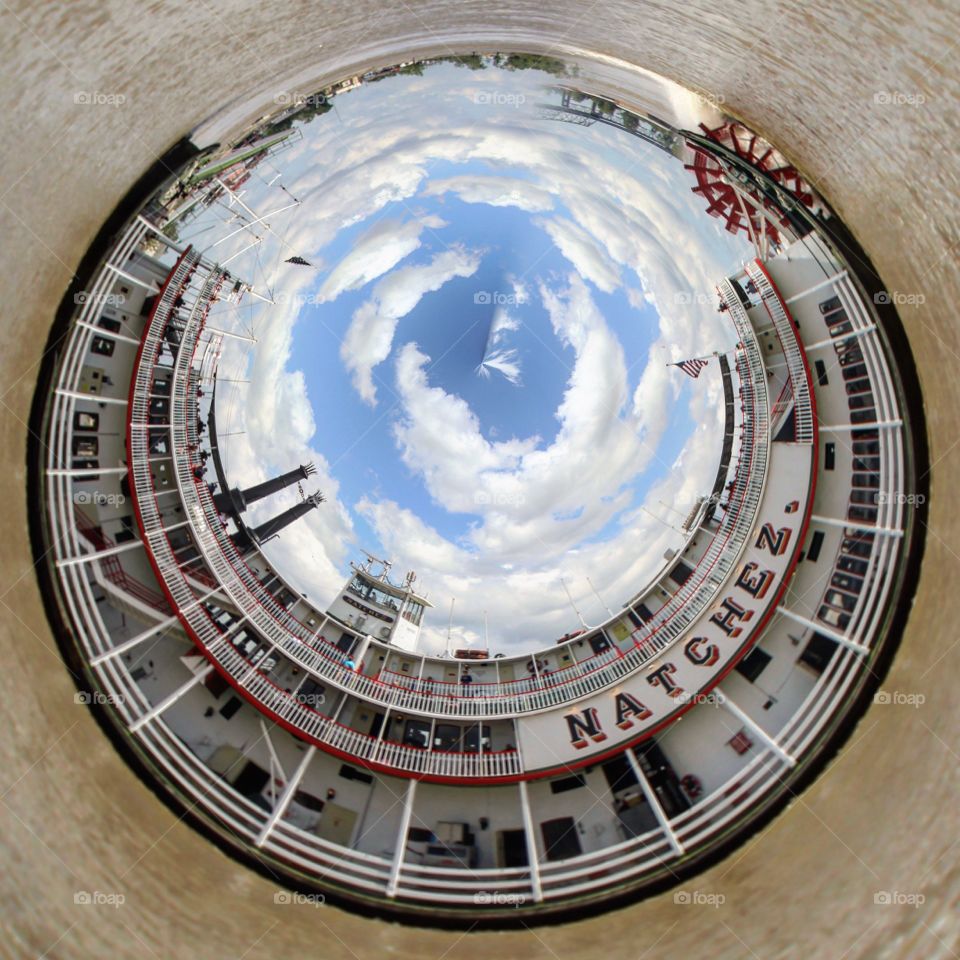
(513, 848)
(560, 838)
(252, 780)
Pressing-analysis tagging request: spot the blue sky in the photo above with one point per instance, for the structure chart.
(444, 231)
(452, 325)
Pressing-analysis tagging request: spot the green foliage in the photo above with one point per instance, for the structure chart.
(532, 61)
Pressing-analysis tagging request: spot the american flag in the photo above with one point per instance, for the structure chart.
(691, 368)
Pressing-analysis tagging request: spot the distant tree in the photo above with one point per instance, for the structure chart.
(531, 61)
(474, 61)
(414, 69)
(630, 121)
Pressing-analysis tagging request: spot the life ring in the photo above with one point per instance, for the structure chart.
(536, 667)
(692, 786)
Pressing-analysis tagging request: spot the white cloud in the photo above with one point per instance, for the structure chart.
(495, 191)
(520, 488)
(586, 255)
(369, 338)
(620, 227)
(376, 252)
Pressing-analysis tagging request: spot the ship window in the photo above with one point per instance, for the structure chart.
(829, 456)
(753, 664)
(619, 773)
(822, 378)
(857, 547)
(473, 742)
(827, 305)
(85, 421)
(413, 612)
(352, 773)
(599, 643)
(846, 582)
(681, 572)
(371, 594)
(230, 707)
(855, 371)
(103, 346)
(816, 542)
(447, 736)
(837, 598)
(818, 652)
(850, 565)
(86, 446)
(308, 801)
(568, 783)
(849, 353)
(417, 733)
(858, 386)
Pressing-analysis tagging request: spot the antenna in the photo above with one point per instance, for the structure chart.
(597, 595)
(583, 623)
(661, 520)
(453, 600)
(673, 509)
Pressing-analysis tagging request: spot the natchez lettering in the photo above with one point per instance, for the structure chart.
(585, 727)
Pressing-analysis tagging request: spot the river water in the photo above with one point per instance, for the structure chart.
(864, 99)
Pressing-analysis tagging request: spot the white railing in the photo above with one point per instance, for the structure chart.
(253, 684)
(488, 700)
(242, 823)
(804, 405)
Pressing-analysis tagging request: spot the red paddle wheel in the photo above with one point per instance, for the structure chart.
(722, 199)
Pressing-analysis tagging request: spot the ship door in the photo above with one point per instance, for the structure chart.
(512, 848)
(560, 838)
(376, 725)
